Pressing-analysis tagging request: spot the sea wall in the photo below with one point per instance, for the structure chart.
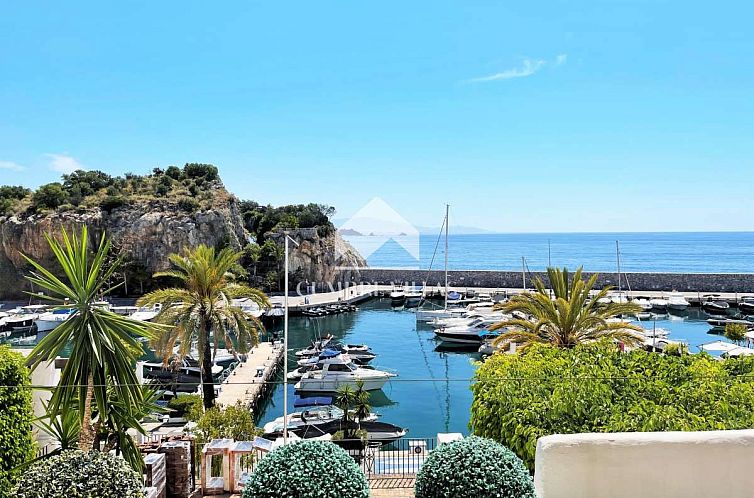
(685, 282)
(646, 464)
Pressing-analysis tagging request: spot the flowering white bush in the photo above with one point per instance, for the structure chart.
(309, 469)
(76, 474)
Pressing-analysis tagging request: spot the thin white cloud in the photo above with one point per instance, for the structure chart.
(527, 68)
(10, 165)
(63, 163)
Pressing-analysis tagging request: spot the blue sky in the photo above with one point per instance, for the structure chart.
(549, 116)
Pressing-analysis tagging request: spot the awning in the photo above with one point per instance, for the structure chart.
(741, 351)
(718, 346)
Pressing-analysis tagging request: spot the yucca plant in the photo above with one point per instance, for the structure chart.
(202, 310)
(568, 317)
(104, 346)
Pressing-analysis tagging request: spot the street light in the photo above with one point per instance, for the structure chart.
(285, 344)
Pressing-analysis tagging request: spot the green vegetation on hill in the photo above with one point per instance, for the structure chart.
(189, 189)
(596, 388)
(193, 187)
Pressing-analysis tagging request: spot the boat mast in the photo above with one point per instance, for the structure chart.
(447, 211)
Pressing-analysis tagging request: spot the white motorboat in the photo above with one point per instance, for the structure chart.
(316, 347)
(21, 320)
(340, 371)
(314, 416)
(470, 319)
(430, 315)
(643, 303)
(746, 305)
(124, 310)
(715, 306)
(473, 332)
(619, 297)
(655, 332)
(147, 313)
(659, 304)
(676, 301)
(413, 297)
(398, 295)
(52, 319)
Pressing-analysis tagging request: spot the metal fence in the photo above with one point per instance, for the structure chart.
(403, 457)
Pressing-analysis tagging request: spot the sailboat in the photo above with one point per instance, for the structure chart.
(430, 315)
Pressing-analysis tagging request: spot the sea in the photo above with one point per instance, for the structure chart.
(670, 252)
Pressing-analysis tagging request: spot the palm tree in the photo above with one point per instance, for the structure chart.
(567, 318)
(104, 345)
(202, 310)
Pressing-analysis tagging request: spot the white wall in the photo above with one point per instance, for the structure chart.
(44, 375)
(646, 465)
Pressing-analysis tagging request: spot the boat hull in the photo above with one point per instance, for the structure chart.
(314, 385)
(459, 337)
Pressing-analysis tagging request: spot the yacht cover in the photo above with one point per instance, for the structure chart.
(315, 401)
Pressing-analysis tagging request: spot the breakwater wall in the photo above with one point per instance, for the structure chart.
(683, 282)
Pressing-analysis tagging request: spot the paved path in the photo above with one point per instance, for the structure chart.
(245, 384)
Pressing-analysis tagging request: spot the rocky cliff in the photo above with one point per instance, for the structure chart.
(146, 233)
(322, 260)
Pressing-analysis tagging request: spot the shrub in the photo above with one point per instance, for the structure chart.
(188, 205)
(76, 473)
(473, 468)
(187, 405)
(49, 196)
(234, 422)
(112, 202)
(174, 172)
(310, 469)
(16, 443)
(596, 388)
(197, 170)
(735, 332)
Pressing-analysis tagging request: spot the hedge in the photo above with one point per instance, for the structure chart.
(596, 388)
(16, 414)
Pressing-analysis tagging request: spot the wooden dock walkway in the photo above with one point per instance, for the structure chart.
(250, 379)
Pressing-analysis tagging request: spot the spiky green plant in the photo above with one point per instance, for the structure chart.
(202, 310)
(568, 317)
(103, 345)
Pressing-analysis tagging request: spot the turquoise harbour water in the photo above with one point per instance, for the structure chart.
(432, 392)
(675, 252)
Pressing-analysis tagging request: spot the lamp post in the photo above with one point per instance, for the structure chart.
(285, 344)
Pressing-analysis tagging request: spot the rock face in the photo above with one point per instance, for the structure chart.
(146, 233)
(322, 260)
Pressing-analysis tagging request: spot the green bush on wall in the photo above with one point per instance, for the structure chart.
(309, 469)
(16, 443)
(76, 473)
(473, 468)
(596, 388)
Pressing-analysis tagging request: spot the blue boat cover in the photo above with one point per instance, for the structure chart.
(488, 333)
(329, 353)
(316, 401)
(454, 295)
